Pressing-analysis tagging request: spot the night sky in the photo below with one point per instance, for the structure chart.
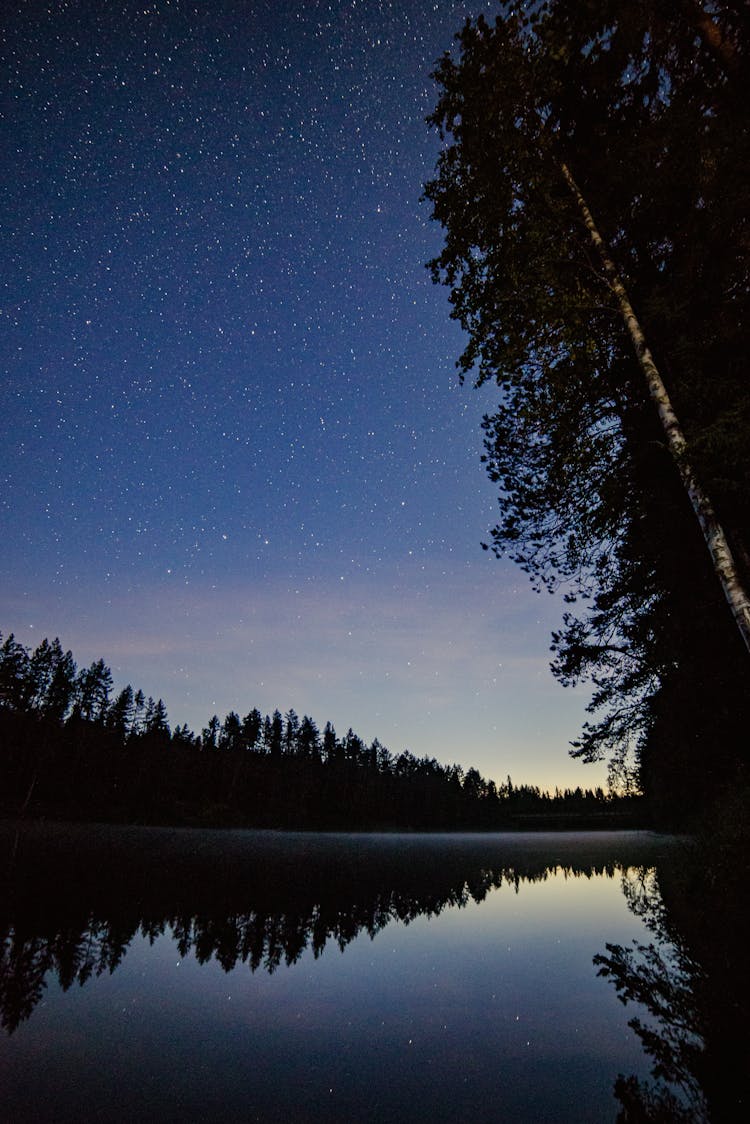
(237, 463)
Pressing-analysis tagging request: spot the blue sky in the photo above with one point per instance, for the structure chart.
(237, 463)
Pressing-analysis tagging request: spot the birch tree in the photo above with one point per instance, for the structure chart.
(589, 168)
(731, 581)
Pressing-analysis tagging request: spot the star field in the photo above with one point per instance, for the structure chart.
(237, 463)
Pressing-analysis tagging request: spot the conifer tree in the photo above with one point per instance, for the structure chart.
(591, 167)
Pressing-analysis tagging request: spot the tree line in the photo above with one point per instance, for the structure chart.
(72, 746)
(593, 191)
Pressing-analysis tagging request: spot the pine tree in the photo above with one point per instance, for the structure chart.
(592, 166)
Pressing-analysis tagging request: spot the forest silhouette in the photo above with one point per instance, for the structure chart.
(71, 749)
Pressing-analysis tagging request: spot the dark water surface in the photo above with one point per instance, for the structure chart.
(158, 974)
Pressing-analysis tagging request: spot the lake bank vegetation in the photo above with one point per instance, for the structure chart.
(593, 193)
(71, 748)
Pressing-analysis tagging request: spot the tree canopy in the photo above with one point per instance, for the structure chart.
(637, 106)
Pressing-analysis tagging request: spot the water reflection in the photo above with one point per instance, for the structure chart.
(80, 903)
(76, 897)
(691, 982)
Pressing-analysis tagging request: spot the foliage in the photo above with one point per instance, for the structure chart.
(647, 110)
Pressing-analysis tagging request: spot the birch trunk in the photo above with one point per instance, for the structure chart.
(713, 533)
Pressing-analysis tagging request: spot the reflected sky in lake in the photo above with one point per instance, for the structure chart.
(475, 997)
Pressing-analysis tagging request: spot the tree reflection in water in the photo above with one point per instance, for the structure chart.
(692, 980)
(75, 897)
(661, 977)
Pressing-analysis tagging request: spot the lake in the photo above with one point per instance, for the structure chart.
(178, 974)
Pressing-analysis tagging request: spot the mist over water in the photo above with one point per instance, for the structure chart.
(178, 974)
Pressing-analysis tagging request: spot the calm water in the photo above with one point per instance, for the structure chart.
(150, 974)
